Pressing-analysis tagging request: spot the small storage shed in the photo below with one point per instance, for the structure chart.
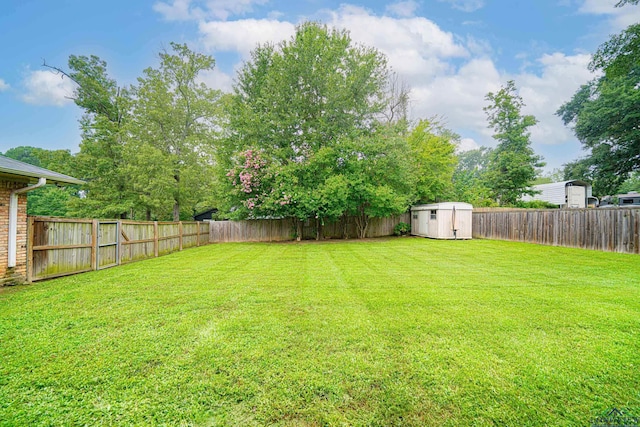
(205, 215)
(449, 220)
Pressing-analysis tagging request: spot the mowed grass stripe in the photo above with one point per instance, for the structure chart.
(401, 331)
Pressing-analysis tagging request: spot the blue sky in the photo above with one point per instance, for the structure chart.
(450, 52)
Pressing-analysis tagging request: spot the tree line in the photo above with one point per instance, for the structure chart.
(315, 128)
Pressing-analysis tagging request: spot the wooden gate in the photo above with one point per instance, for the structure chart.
(108, 244)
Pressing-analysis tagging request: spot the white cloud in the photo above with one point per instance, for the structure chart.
(544, 93)
(47, 88)
(275, 15)
(216, 79)
(467, 144)
(449, 75)
(598, 7)
(619, 17)
(402, 9)
(416, 33)
(179, 10)
(478, 47)
(465, 5)
(242, 36)
(182, 10)
(459, 96)
(416, 47)
(4, 85)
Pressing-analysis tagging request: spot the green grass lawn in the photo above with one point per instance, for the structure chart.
(403, 331)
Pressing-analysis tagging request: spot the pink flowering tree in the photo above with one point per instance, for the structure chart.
(260, 188)
(249, 179)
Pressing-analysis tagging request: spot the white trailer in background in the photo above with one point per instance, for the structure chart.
(565, 194)
(449, 220)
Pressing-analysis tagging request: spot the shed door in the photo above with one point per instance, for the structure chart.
(576, 196)
(424, 223)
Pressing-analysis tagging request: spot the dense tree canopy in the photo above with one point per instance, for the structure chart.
(434, 160)
(304, 116)
(146, 150)
(620, 55)
(605, 115)
(173, 133)
(316, 129)
(101, 160)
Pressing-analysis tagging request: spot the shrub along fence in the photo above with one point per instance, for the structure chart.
(62, 246)
(613, 230)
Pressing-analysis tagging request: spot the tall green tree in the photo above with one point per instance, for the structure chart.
(297, 105)
(434, 161)
(513, 163)
(101, 159)
(175, 117)
(380, 176)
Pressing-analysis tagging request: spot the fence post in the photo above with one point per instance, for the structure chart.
(29, 249)
(197, 233)
(118, 235)
(94, 244)
(155, 239)
(180, 233)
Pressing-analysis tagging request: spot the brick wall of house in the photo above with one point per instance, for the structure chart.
(17, 274)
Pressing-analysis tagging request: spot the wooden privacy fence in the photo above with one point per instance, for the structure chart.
(277, 230)
(614, 230)
(61, 246)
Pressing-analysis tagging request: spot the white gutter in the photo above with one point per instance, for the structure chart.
(13, 219)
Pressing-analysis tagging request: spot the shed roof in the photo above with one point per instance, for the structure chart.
(16, 169)
(561, 184)
(443, 205)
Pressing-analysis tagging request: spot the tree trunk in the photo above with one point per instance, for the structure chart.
(362, 222)
(148, 215)
(364, 230)
(345, 226)
(318, 229)
(176, 211)
(176, 196)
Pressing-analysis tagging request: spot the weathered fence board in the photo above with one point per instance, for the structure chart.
(277, 230)
(59, 248)
(613, 230)
(63, 246)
